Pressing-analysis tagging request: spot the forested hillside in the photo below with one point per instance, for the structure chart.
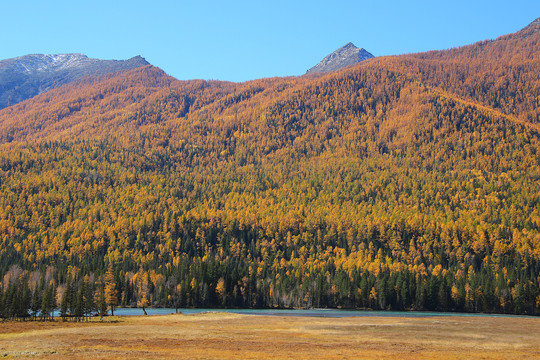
(406, 182)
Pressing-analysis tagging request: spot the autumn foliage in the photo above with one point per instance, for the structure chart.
(406, 182)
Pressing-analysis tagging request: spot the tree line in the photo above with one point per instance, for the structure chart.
(34, 296)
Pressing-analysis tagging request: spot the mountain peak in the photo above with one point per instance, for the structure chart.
(534, 26)
(531, 29)
(345, 56)
(139, 58)
(535, 23)
(26, 76)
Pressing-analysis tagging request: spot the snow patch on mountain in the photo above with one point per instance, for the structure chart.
(26, 76)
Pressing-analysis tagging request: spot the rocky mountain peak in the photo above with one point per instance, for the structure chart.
(342, 57)
(532, 29)
(534, 26)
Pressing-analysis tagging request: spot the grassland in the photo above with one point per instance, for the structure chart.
(232, 336)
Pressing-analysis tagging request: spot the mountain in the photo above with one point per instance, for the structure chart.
(341, 58)
(531, 29)
(24, 77)
(403, 182)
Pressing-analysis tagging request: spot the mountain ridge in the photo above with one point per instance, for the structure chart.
(26, 76)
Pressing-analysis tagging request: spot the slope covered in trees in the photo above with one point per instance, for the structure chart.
(407, 182)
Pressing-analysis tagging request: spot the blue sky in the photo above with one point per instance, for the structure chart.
(243, 40)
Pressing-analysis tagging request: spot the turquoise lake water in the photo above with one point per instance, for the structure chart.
(330, 313)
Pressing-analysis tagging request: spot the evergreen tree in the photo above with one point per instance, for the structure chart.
(25, 298)
(36, 301)
(100, 299)
(67, 302)
(48, 303)
(89, 305)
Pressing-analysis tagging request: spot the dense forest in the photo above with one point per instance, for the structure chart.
(407, 183)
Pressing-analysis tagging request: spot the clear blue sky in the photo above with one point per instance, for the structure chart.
(243, 40)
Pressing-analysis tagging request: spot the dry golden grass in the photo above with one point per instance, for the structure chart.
(231, 336)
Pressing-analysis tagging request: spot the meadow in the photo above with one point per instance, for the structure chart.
(234, 336)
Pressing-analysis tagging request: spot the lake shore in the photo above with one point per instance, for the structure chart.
(320, 312)
(233, 336)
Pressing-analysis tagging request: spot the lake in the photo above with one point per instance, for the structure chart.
(327, 313)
